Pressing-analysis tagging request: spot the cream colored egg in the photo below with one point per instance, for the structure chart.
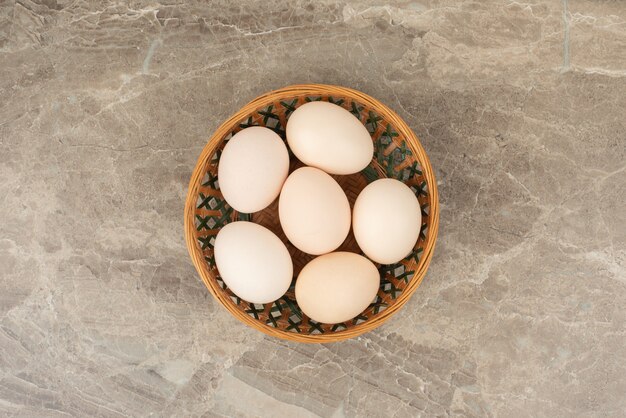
(252, 169)
(327, 136)
(386, 220)
(253, 262)
(314, 211)
(336, 287)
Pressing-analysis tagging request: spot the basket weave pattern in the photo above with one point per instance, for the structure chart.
(397, 154)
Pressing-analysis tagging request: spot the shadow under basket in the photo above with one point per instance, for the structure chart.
(397, 154)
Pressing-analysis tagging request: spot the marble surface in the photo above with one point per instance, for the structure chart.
(105, 107)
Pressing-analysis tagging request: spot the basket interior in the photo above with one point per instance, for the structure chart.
(392, 158)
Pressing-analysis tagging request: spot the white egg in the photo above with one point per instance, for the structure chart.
(314, 211)
(327, 136)
(253, 262)
(336, 287)
(386, 220)
(252, 169)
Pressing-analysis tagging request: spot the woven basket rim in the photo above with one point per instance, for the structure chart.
(264, 100)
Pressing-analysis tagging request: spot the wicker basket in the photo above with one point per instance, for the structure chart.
(397, 154)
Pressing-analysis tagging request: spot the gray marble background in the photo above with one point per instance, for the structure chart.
(104, 108)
